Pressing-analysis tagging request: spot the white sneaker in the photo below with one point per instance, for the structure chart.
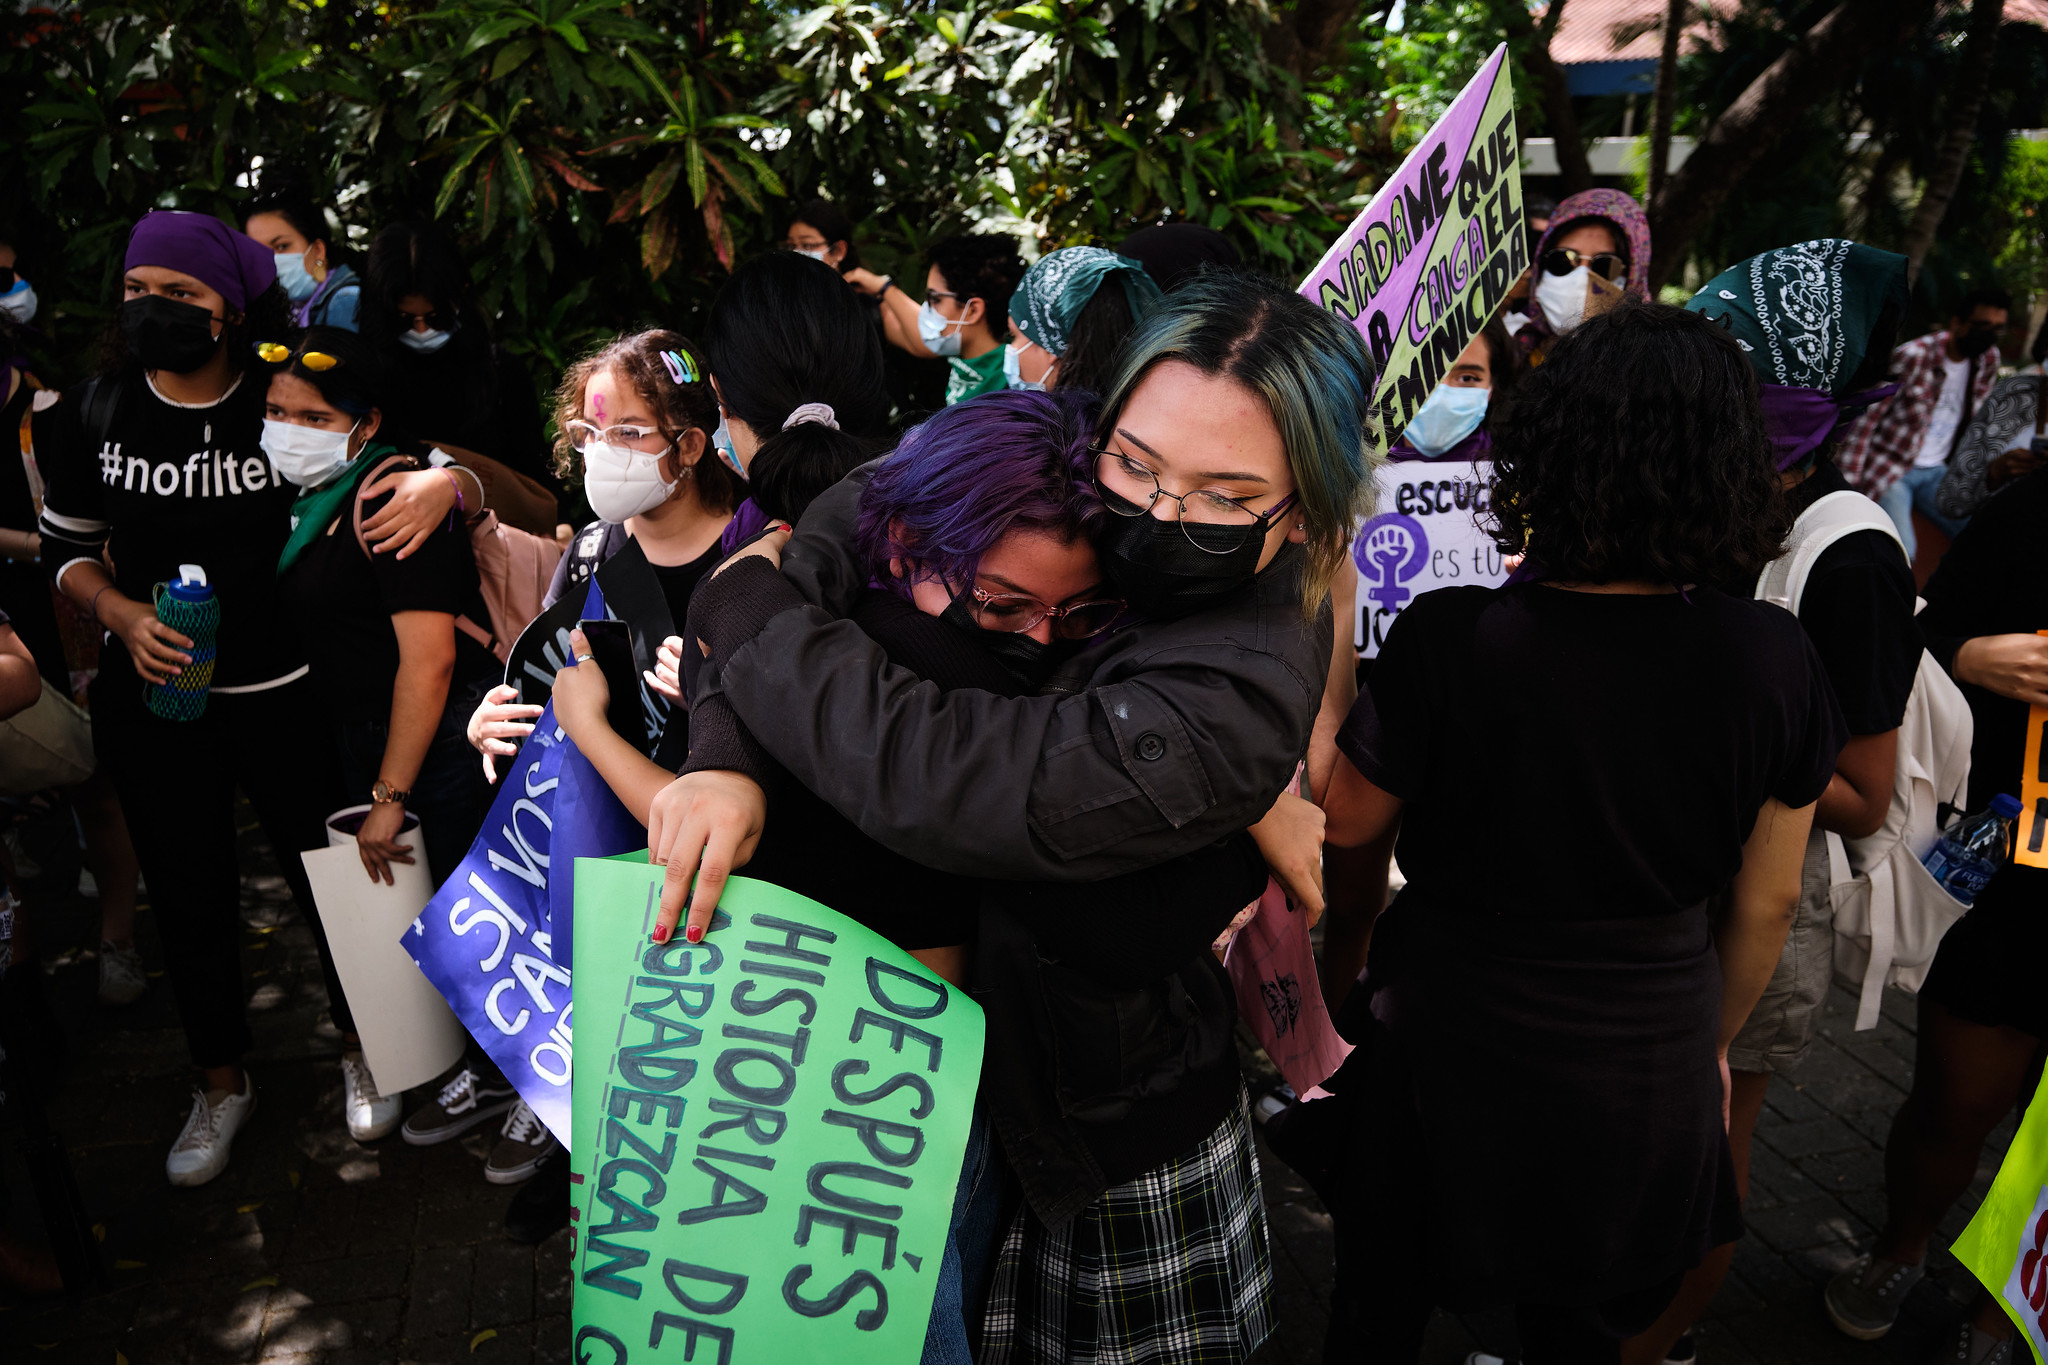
(201, 1151)
(370, 1115)
(122, 981)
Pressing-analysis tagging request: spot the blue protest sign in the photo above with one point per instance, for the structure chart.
(495, 939)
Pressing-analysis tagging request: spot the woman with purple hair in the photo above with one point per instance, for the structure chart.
(977, 536)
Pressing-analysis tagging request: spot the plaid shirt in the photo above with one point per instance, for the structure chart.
(1880, 445)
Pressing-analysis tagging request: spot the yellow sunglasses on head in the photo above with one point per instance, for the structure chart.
(277, 353)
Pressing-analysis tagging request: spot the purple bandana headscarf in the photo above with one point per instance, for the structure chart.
(202, 246)
(1622, 213)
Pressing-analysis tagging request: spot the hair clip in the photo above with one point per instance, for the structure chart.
(682, 369)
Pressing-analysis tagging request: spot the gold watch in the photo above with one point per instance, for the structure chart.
(384, 794)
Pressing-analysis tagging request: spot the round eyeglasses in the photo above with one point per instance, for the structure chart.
(1213, 522)
(1013, 613)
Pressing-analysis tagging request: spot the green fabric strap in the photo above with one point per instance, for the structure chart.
(317, 508)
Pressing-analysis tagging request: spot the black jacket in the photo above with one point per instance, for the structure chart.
(1157, 741)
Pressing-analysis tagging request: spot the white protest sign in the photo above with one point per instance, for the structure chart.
(1426, 535)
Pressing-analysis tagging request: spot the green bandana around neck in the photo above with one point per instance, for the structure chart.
(967, 379)
(316, 508)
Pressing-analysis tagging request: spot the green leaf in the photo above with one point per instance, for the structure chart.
(492, 30)
(693, 157)
(660, 182)
(654, 81)
(518, 173)
(511, 57)
(102, 159)
(571, 36)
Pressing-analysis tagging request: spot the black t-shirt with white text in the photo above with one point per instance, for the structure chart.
(167, 484)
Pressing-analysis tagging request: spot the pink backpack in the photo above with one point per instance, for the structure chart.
(513, 567)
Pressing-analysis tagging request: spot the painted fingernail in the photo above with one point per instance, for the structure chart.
(660, 933)
(694, 934)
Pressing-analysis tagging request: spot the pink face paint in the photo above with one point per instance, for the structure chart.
(597, 408)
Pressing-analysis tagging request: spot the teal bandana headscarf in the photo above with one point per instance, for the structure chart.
(1058, 286)
(1808, 316)
(1816, 323)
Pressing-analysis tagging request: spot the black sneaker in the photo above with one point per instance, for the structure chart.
(1684, 1351)
(468, 1099)
(542, 1205)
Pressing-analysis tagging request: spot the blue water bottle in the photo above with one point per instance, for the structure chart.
(1967, 856)
(189, 607)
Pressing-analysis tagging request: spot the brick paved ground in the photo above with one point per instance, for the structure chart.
(316, 1249)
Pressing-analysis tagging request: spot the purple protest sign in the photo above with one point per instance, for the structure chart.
(1431, 257)
(495, 939)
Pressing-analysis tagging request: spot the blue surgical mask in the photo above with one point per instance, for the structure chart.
(298, 282)
(1446, 417)
(931, 330)
(427, 342)
(1015, 376)
(721, 441)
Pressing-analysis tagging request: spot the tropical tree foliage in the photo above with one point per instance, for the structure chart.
(605, 162)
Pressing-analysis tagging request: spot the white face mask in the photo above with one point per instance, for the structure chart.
(622, 483)
(1013, 373)
(815, 253)
(19, 302)
(427, 342)
(1563, 298)
(931, 330)
(307, 456)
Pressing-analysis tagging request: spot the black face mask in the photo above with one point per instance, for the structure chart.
(1027, 660)
(165, 334)
(1977, 340)
(1153, 566)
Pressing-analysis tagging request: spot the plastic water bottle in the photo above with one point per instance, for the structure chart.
(1972, 850)
(189, 607)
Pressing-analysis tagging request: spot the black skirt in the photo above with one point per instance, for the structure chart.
(1542, 1105)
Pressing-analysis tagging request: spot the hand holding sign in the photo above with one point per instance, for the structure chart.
(769, 1128)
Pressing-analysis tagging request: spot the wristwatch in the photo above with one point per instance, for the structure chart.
(384, 794)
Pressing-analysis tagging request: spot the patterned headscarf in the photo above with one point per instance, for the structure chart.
(1058, 286)
(1816, 322)
(1621, 213)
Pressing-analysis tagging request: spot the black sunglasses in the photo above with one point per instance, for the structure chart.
(1563, 261)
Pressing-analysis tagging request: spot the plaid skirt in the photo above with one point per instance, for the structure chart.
(1171, 1267)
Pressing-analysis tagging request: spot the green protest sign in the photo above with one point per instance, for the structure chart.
(2006, 1243)
(767, 1130)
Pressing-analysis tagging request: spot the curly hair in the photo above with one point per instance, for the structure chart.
(1638, 451)
(677, 405)
(973, 473)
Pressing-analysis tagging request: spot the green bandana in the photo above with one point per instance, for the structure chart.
(1058, 286)
(967, 379)
(1811, 316)
(317, 508)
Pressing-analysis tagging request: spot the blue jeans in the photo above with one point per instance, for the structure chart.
(971, 1243)
(1915, 488)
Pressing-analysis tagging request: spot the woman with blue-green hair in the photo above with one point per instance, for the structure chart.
(1070, 316)
(1230, 453)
